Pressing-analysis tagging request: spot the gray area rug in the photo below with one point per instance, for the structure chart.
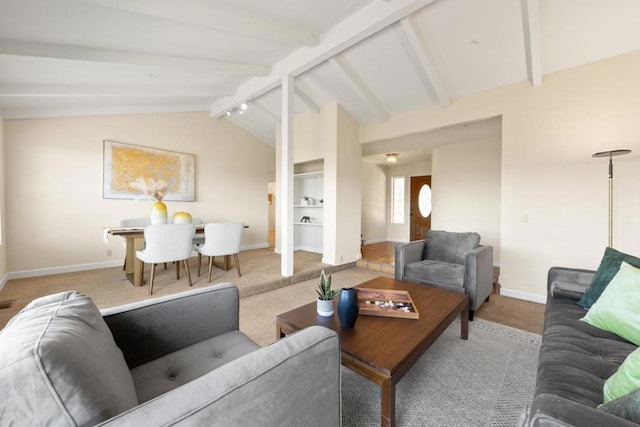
(484, 381)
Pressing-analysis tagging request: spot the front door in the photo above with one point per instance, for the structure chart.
(420, 207)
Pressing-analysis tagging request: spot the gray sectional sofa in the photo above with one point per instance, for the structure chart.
(176, 360)
(575, 359)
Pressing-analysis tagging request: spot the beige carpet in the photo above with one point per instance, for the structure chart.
(258, 313)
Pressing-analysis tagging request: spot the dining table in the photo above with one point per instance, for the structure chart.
(134, 241)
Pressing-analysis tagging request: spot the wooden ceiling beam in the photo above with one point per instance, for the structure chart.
(12, 90)
(306, 99)
(532, 40)
(423, 61)
(86, 54)
(355, 80)
(194, 12)
(364, 23)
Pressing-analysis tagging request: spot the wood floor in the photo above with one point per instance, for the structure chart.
(525, 315)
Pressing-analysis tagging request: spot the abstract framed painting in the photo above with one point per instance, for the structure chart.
(127, 165)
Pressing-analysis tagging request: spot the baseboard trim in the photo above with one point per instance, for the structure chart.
(527, 296)
(372, 241)
(64, 269)
(3, 281)
(90, 266)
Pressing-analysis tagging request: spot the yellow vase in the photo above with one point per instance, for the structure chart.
(181, 218)
(158, 213)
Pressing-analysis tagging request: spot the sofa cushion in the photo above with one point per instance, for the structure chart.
(58, 362)
(173, 370)
(436, 272)
(451, 247)
(576, 358)
(616, 310)
(625, 380)
(609, 266)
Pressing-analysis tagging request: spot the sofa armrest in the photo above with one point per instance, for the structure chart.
(479, 275)
(564, 282)
(293, 382)
(150, 329)
(407, 253)
(550, 410)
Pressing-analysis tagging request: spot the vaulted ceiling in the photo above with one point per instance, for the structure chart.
(377, 58)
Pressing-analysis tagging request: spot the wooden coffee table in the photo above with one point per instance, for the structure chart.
(383, 349)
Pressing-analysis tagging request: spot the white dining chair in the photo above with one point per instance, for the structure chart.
(198, 239)
(133, 222)
(221, 239)
(166, 243)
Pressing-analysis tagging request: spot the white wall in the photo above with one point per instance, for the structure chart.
(55, 212)
(466, 190)
(3, 223)
(548, 136)
(400, 232)
(374, 202)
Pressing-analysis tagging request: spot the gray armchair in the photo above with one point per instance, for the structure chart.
(173, 360)
(449, 260)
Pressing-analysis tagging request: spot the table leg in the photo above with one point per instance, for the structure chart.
(388, 418)
(138, 244)
(464, 323)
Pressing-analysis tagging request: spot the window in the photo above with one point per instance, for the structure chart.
(397, 200)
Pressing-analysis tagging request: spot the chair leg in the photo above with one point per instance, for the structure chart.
(165, 265)
(178, 270)
(199, 262)
(210, 269)
(186, 268)
(235, 259)
(471, 315)
(153, 275)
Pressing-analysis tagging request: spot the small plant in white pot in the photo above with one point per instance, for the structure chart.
(326, 296)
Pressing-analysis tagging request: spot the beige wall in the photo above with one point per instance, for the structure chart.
(55, 209)
(548, 136)
(374, 202)
(466, 189)
(3, 228)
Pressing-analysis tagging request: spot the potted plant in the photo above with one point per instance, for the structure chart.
(325, 296)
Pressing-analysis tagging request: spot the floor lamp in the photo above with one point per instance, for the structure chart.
(610, 154)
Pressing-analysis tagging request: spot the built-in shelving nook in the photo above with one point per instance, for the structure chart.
(308, 199)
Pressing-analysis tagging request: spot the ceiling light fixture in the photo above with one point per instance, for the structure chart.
(392, 157)
(238, 108)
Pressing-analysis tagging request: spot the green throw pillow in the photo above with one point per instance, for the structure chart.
(616, 310)
(625, 380)
(608, 268)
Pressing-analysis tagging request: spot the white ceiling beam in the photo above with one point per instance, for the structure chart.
(196, 12)
(306, 99)
(532, 40)
(78, 53)
(90, 91)
(242, 125)
(360, 87)
(275, 118)
(364, 23)
(423, 60)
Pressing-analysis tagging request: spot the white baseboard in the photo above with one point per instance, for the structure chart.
(527, 296)
(254, 246)
(64, 269)
(90, 266)
(3, 281)
(372, 241)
